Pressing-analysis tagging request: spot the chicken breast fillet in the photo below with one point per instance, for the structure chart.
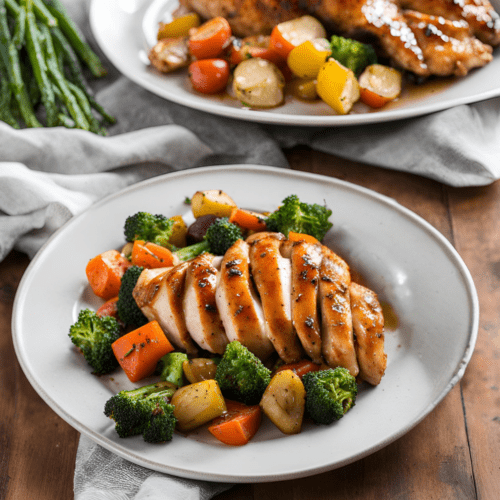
(272, 275)
(306, 261)
(161, 299)
(200, 309)
(238, 305)
(337, 330)
(368, 322)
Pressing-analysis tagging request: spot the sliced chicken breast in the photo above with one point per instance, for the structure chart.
(306, 261)
(163, 301)
(200, 309)
(272, 275)
(238, 305)
(368, 323)
(337, 331)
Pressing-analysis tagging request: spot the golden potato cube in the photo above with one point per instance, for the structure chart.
(213, 202)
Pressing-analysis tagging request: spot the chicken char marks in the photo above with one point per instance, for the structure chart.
(417, 47)
(293, 299)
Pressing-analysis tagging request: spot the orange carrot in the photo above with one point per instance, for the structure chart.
(247, 219)
(238, 424)
(210, 39)
(301, 367)
(209, 76)
(108, 308)
(104, 273)
(302, 237)
(139, 351)
(150, 255)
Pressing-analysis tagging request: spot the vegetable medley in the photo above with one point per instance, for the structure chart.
(297, 58)
(229, 393)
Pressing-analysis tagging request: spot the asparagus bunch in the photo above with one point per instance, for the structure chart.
(42, 55)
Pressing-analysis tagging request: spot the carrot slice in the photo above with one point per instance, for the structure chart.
(108, 308)
(209, 76)
(104, 273)
(301, 367)
(302, 237)
(238, 425)
(139, 351)
(247, 219)
(210, 39)
(150, 255)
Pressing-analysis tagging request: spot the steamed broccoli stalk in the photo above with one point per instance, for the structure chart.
(329, 394)
(352, 54)
(220, 236)
(93, 335)
(241, 375)
(171, 367)
(127, 308)
(298, 217)
(148, 227)
(145, 411)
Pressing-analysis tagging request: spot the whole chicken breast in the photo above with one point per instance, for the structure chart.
(200, 309)
(368, 322)
(272, 275)
(306, 261)
(337, 330)
(238, 304)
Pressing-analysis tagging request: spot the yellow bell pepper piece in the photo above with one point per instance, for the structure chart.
(306, 59)
(179, 26)
(337, 86)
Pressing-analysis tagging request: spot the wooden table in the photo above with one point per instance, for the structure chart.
(453, 454)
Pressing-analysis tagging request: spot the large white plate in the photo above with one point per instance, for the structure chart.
(409, 264)
(126, 28)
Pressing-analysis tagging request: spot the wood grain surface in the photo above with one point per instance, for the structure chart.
(453, 454)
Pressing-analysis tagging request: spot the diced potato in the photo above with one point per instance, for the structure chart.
(179, 232)
(179, 26)
(379, 85)
(196, 404)
(259, 83)
(304, 89)
(212, 202)
(284, 402)
(199, 369)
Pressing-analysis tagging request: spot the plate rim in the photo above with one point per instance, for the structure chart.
(264, 117)
(130, 455)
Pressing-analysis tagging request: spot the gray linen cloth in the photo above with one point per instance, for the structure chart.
(48, 176)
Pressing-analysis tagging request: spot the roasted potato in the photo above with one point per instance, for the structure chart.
(198, 369)
(212, 202)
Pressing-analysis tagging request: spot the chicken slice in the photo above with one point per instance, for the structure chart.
(448, 46)
(161, 299)
(306, 261)
(368, 322)
(238, 305)
(480, 15)
(200, 310)
(272, 275)
(337, 331)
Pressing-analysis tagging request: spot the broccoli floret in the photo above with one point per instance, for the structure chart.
(293, 215)
(127, 308)
(329, 394)
(145, 411)
(93, 335)
(145, 226)
(352, 54)
(241, 375)
(220, 236)
(171, 367)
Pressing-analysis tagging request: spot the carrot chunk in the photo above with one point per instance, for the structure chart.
(301, 367)
(109, 308)
(139, 351)
(247, 219)
(104, 273)
(238, 425)
(150, 255)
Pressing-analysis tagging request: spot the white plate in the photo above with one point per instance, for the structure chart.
(406, 261)
(125, 29)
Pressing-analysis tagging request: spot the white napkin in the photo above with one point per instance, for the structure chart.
(48, 176)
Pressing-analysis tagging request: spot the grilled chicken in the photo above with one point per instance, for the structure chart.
(338, 339)
(448, 47)
(200, 310)
(272, 275)
(306, 261)
(238, 305)
(161, 299)
(368, 322)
